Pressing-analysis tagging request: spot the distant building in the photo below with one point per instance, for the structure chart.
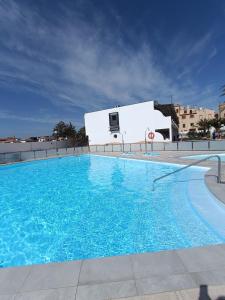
(46, 138)
(132, 124)
(222, 110)
(32, 139)
(190, 116)
(8, 140)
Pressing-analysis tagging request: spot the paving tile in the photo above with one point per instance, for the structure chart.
(159, 263)
(161, 296)
(52, 276)
(203, 258)
(52, 294)
(157, 284)
(106, 291)
(108, 269)
(222, 246)
(217, 292)
(190, 294)
(213, 293)
(7, 297)
(11, 279)
(212, 277)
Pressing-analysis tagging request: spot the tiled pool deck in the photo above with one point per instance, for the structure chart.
(117, 277)
(175, 274)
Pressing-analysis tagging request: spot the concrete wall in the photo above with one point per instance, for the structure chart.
(133, 120)
(17, 147)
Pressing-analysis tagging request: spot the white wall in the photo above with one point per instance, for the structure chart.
(133, 119)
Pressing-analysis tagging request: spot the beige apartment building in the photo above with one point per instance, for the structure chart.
(222, 110)
(190, 116)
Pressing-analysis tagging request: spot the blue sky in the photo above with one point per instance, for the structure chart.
(60, 59)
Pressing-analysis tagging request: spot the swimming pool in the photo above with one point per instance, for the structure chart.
(90, 206)
(201, 156)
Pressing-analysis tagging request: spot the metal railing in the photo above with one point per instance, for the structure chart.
(190, 165)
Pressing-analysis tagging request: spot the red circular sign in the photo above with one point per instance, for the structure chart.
(151, 135)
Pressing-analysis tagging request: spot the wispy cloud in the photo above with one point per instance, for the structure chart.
(85, 65)
(199, 46)
(45, 119)
(213, 53)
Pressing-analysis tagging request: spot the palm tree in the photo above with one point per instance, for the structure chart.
(216, 123)
(204, 125)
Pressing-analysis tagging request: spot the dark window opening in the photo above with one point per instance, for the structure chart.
(114, 122)
(115, 136)
(164, 132)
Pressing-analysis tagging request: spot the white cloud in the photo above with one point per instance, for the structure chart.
(199, 46)
(77, 64)
(213, 53)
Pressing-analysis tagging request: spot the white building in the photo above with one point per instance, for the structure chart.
(130, 123)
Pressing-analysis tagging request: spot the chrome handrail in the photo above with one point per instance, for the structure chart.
(190, 165)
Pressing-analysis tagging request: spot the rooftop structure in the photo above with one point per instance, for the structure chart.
(8, 140)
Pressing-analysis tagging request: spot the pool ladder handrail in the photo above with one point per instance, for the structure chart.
(190, 165)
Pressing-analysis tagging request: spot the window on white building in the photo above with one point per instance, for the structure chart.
(114, 121)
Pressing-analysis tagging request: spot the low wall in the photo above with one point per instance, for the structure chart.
(162, 146)
(37, 154)
(13, 156)
(17, 147)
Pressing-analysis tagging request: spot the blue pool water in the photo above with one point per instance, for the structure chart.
(201, 156)
(90, 206)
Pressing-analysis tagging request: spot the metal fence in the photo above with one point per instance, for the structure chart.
(39, 154)
(162, 146)
(156, 146)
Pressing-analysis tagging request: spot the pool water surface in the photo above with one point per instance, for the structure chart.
(91, 206)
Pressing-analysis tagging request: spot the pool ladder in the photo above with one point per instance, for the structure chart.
(190, 165)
